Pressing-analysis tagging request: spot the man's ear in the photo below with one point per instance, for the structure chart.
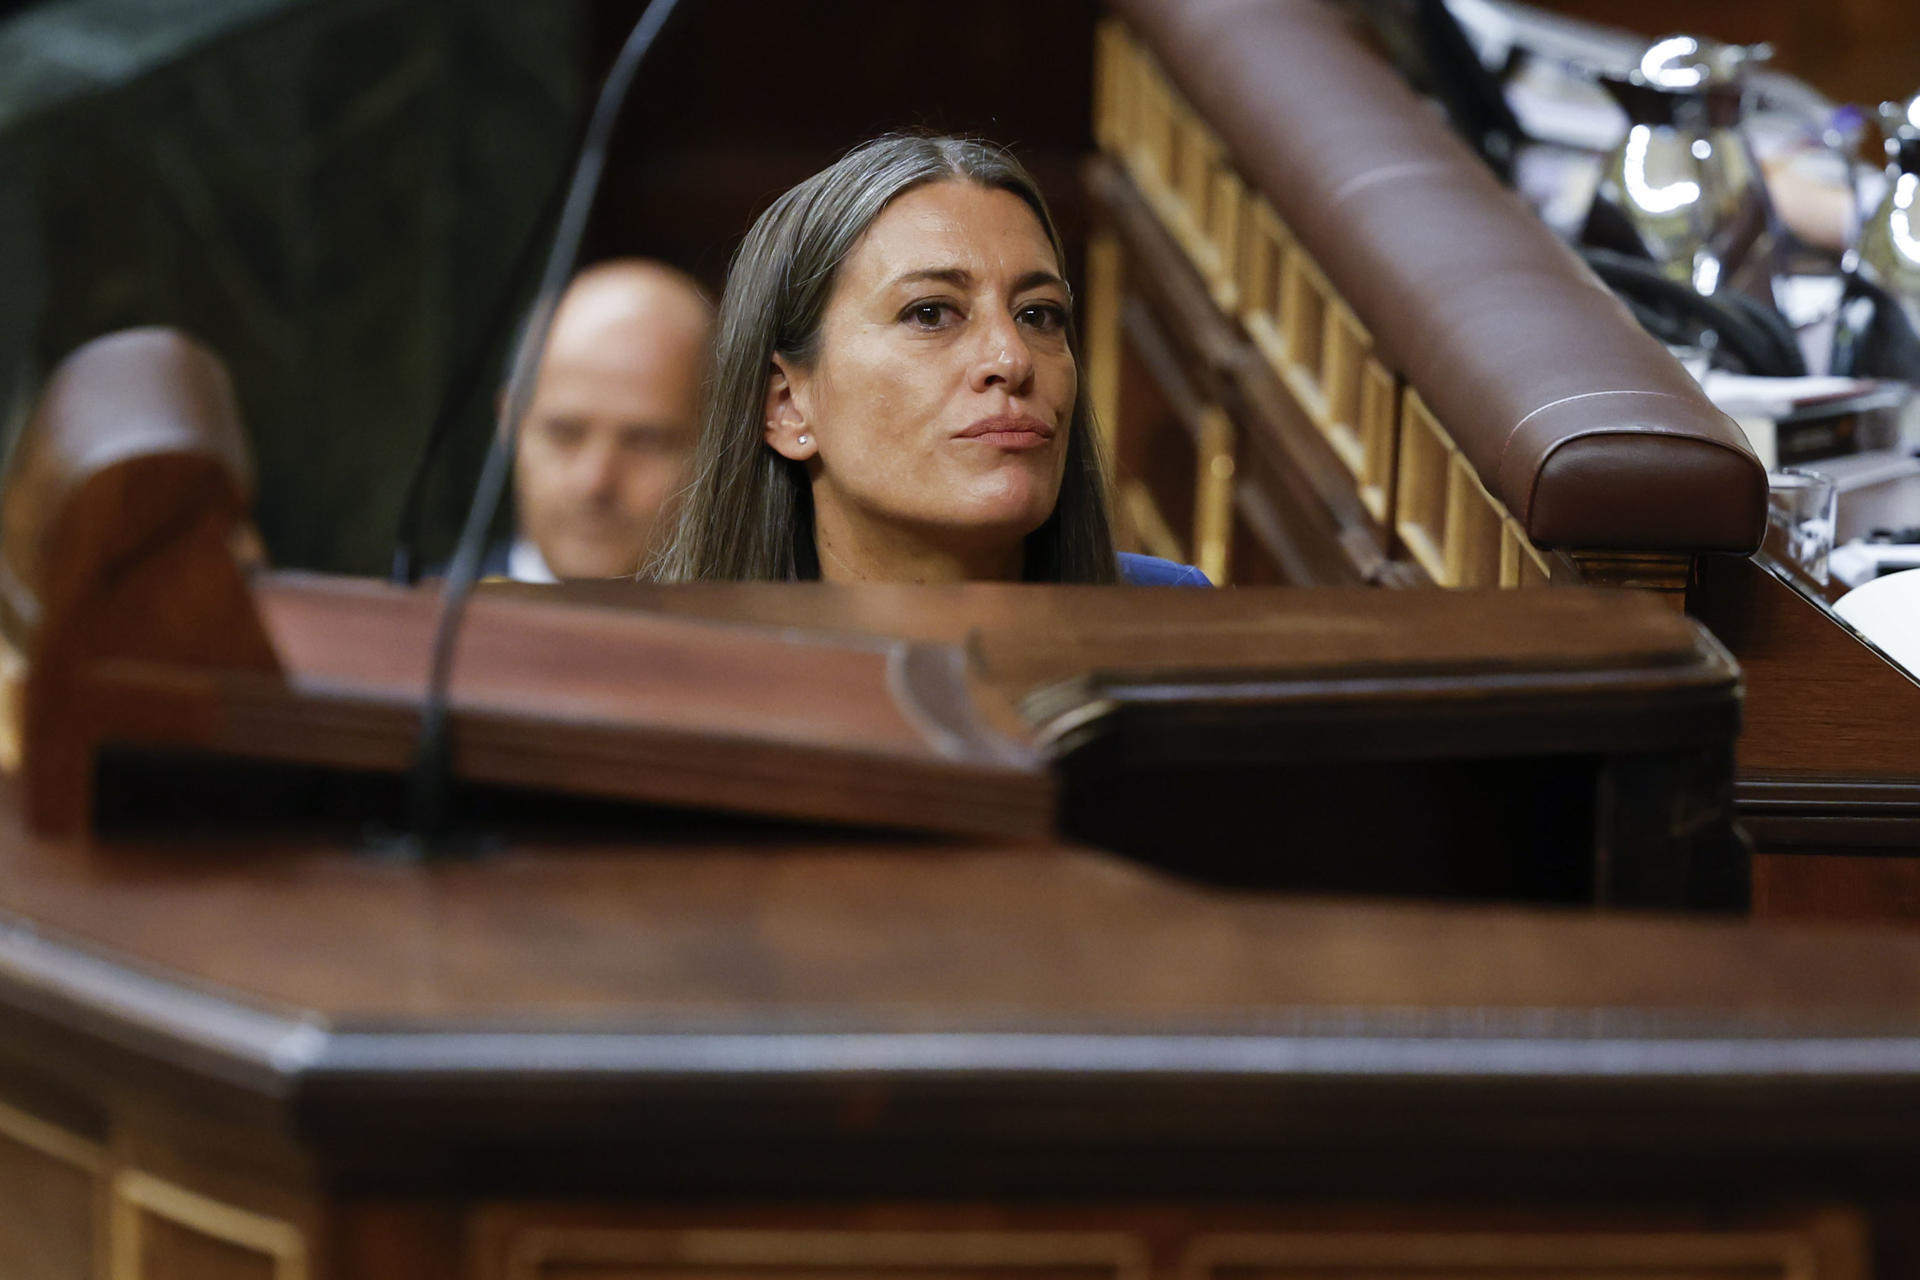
(785, 428)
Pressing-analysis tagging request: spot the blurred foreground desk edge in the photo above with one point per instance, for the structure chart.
(254, 1056)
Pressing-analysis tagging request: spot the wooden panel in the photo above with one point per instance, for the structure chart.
(1829, 1248)
(1521, 564)
(356, 657)
(170, 1251)
(1311, 522)
(1225, 212)
(1106, 288)
(1213, 501)
(1420, 504)
(1263, 251)
(1473, 529)
(1112, 86)
(1833, 886)
(610, 1253)
(1157, 452)
(50, 1193)
(162, 1231)
(1344, 349)
(1818, 699)
(1304, 294)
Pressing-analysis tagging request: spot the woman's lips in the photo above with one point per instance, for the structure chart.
(1010, 431)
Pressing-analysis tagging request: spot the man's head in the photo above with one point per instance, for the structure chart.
(607, 439)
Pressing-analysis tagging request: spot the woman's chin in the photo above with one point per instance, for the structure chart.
(1017, 505)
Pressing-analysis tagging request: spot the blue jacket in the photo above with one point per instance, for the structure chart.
(1135, 570)
(1152, 571)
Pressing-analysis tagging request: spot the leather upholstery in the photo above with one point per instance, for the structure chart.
(1576, 420)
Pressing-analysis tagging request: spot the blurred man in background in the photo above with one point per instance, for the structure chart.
(609, 434)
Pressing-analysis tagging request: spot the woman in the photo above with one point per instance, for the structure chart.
(895, 388)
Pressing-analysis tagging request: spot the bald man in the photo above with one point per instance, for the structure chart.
(609, 433)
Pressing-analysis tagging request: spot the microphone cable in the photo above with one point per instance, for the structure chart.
(432, 765)
(470, 373)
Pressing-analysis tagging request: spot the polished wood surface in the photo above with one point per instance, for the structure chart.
(971, 1019)
(124, 532)
(47, 1228)
(1819, 701)
(1829, 760)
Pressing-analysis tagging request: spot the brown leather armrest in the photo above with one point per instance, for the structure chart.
(1579, 422)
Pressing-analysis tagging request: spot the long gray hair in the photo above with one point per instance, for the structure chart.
(747, 514)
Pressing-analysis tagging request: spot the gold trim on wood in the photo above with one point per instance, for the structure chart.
(1420, 502)
(1303, 304)
(1473, 528)
(13, 689)
(1213, 503)
(1225, 208)
(1664, 572)
(1379, 438)
(1149, 529)
(51, 1140)
(1829, 1246)
(1266, 243)
(1345, 346)
(83, 1155)
(137, 1194)
(532, 1249)
(1106, 284)
(1521, 564)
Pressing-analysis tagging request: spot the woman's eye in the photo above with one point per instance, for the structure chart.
(1047, 317)
(928, 315)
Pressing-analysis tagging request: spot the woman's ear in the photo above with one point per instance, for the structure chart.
(786, 429)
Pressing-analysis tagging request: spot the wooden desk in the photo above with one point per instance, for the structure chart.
(871, 1057)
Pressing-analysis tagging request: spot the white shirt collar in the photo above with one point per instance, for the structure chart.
(526, 564)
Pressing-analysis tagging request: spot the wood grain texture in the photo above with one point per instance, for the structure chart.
(600, 702)
(795, 1016)
(48, 1213)
(1829, 884)
(1819, 701)
(1195, 356)
(163, 1231)
(124, 502)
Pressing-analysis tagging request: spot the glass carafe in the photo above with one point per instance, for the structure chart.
(1682, 187)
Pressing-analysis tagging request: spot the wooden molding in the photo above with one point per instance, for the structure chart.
(545, 1253)
(1824, 1246)
(51, 1140)
(1661, 571)
(138, 1196)
(124, 503)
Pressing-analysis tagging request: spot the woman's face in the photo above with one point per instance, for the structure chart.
(935, 416)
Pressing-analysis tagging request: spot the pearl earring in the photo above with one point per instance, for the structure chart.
(805, 439)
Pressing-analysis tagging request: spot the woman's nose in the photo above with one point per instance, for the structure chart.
(1003, 358)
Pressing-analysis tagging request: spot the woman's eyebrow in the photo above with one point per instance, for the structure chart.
(960, 278)
(1041, 280)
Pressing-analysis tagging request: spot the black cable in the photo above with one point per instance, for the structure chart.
(472, 373)
(1749, 330)
(433, 756)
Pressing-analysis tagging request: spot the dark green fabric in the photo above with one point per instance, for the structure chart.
(328, 192)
